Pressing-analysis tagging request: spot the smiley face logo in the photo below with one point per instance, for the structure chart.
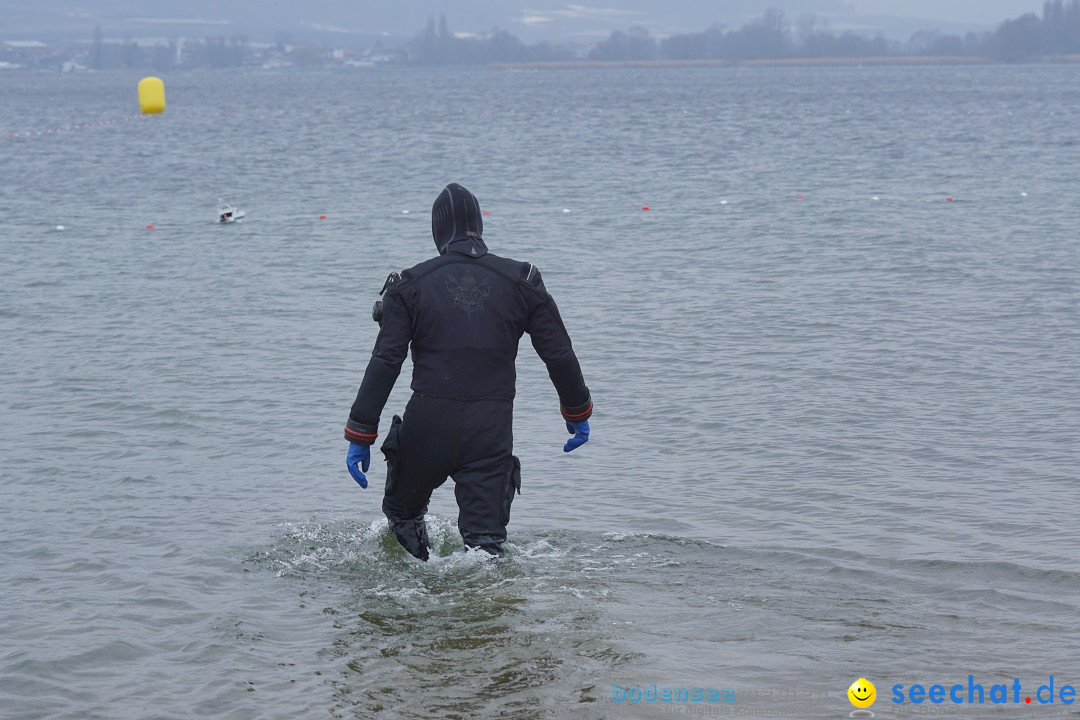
(862, 693)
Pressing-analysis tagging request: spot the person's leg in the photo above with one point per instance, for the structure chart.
(420, 453)
(488, 476)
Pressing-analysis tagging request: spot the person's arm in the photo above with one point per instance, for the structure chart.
(391, 348)
(552, 343)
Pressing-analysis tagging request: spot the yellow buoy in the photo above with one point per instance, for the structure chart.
(151, 95)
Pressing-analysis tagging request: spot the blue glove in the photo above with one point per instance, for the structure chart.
(359, 455)
(580, 431)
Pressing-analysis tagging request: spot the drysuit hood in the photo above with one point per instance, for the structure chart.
(456, 223)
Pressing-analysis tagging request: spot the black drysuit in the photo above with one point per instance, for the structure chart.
(463, 314)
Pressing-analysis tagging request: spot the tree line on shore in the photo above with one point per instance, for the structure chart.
(1028, 37)
(771, 36)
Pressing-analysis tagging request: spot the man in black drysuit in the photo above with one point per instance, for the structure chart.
(463, 313)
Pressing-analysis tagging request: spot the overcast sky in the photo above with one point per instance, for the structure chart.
(332, 21)
(981, 11)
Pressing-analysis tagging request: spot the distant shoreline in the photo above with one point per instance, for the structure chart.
(772, 62)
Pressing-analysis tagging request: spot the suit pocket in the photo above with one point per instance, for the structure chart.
(512, 486)
(391, 450)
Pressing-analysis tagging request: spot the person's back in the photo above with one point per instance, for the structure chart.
(463, 313)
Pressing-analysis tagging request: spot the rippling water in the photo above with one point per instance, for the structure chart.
(837, 415)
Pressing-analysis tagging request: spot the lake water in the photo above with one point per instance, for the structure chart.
(835, 436)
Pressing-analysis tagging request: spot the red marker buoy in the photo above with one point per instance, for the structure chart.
(150, 227)
(949, 199)
(645, 208)
(485, 212)
(800, 197)
(322, 217)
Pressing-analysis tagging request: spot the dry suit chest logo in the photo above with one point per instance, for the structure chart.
(468, 294)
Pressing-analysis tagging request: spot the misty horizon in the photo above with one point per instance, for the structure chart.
(337, 22)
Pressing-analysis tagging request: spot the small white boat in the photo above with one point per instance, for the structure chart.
(228, 213)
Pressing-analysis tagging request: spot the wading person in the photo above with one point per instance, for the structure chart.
(463, 313)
